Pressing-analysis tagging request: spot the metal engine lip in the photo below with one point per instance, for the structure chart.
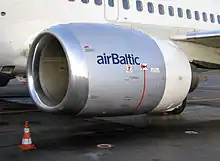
(78, 86)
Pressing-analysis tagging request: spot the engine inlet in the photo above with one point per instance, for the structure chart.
(51, 69)
(57, 75)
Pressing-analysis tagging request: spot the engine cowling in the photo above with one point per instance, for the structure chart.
(105, 70)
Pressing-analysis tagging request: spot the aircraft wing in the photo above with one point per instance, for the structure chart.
(207, 38)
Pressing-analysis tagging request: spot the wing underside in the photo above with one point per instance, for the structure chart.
(202, 47)
(207, 38)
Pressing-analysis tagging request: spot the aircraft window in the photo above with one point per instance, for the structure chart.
(126, 4)
(171, 11)
(111, 3)
(161, 9)
(180, 12)
(218, 17)
(85, 1)
(150, 7)
(139, 5)
(205, 18)
(188, 14)
(197, 15)
(98, 2)
(212, 18)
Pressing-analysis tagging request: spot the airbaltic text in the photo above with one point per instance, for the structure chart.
(118, 59)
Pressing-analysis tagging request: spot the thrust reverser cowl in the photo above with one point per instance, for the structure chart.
(83, 69)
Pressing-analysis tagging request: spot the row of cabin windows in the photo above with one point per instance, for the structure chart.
(161, 9)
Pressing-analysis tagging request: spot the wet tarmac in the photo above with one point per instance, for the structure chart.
(135, 138)
(192, 136)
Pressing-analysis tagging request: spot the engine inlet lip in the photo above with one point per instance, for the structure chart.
(78, 86)
(31, 72)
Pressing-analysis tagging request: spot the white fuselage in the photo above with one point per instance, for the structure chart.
(22, 20)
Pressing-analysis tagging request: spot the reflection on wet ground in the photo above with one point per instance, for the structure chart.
(133, 138)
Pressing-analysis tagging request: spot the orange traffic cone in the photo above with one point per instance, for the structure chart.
(26, 140)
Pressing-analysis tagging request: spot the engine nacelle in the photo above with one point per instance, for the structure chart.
(105, 70)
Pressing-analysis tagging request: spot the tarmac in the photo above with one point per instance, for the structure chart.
(191, 136)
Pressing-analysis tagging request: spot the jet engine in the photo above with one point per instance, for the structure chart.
(105, 70)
